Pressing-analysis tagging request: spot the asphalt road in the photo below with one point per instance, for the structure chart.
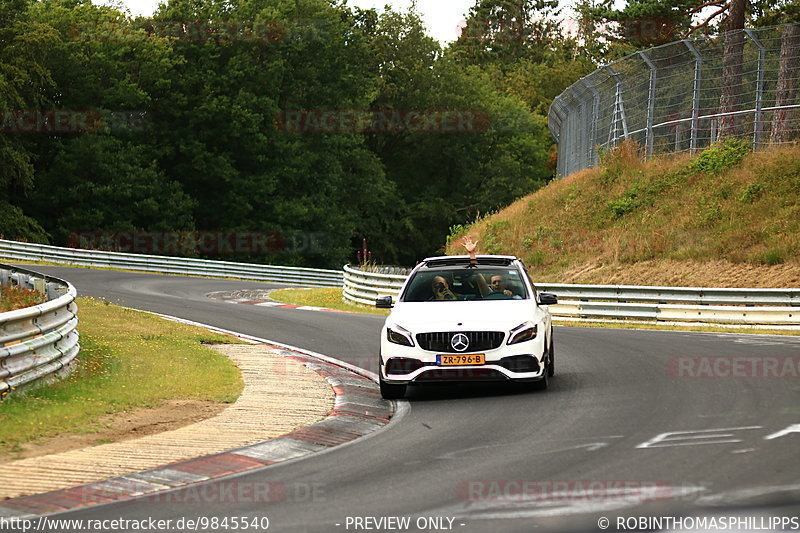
(635, 424)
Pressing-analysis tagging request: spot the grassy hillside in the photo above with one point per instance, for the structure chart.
(725, 217)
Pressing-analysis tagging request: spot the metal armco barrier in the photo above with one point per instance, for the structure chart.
(37, 343)
(363, 287)
(780, 307)
(170, 265)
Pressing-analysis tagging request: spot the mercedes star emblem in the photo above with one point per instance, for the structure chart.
(459, 342)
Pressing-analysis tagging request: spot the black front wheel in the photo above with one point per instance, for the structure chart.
(551, 362)
(392, 391)
(542, 383)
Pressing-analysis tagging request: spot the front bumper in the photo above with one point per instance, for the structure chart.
(523, 362)
(502, 369)
(478, 373)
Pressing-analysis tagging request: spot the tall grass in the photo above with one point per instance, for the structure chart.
(724, 204)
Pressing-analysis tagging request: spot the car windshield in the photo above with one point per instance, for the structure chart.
(464, 283)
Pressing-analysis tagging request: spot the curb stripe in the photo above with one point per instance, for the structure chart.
(358, 411)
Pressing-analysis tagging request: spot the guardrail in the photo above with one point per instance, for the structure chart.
(780, 307)
(363, 287)
(38, 343)
(169, 265)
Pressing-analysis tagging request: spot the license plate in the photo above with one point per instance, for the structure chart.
(461, 360)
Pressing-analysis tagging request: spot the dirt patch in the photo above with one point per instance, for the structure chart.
(681, 274)
(126, 425)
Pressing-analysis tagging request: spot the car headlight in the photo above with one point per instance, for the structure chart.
(399, 335)
(524, 332)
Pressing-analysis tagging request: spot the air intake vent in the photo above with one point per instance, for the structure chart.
(477, 341)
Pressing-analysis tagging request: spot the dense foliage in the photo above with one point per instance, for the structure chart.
(187, 122)
(610, 30)
(307, 123)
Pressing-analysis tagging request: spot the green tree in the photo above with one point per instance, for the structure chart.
(25, 45)
(219, 134)
(101, 182)
(504, 31)
(101, 173)
(638, 24)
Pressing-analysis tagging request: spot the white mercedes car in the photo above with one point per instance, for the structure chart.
(459, 320)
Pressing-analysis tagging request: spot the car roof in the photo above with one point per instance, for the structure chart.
(453, 260)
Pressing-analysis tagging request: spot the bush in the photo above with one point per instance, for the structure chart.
(720, 155)
(16, 226)
(622, 206)
(752, 192)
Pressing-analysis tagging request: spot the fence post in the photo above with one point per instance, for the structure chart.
(619, 109)
(581, 141)
(758, 117)
(557, 130)
(698, 65)
(593, 159)
(651, 102)
(573, 136)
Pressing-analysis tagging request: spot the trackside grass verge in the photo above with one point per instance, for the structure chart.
(327, 297)
(128, 359)
(724, 218)
(688, 327)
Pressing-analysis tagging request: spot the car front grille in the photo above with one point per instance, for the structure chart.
(479, 341)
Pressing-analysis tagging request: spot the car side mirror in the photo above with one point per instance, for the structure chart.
(547, 298)
(383, 302)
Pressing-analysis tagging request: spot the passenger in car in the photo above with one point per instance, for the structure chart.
(441, 289)
(498, 284)
(470, 246)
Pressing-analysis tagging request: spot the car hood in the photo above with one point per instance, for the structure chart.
(500, 315)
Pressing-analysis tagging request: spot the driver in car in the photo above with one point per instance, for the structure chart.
(498, 283)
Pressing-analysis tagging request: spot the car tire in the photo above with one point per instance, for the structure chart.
(542, 383)
(391, 391)
(551, 361)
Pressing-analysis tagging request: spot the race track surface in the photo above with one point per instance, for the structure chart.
(635, 423)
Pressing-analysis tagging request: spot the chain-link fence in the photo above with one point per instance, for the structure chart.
(682, 96)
